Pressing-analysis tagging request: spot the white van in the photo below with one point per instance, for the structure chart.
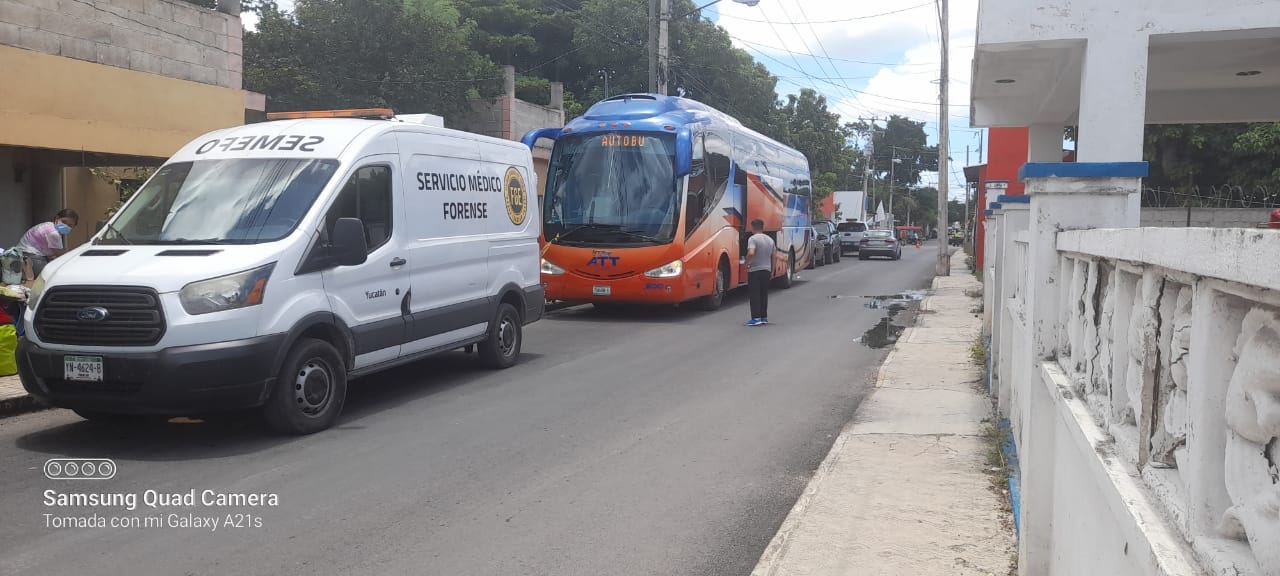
(265, 265)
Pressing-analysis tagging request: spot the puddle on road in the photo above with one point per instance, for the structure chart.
(885, 333)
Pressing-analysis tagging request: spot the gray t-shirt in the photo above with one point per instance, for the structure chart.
(763, 258)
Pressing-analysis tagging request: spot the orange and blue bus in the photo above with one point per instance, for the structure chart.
(649, 199)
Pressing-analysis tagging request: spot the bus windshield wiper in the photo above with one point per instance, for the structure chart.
(640, 235)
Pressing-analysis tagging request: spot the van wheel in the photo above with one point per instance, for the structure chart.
(714, 300)
(786, 280)
(502, 347)
(309, 391)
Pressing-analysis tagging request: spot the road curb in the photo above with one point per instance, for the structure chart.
(20, 405)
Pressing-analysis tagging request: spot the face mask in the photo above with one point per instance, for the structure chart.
(63, 229)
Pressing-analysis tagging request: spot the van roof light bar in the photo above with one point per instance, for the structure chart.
(368, 113)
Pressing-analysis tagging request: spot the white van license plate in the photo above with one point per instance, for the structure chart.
(82, 368)
(601, 290)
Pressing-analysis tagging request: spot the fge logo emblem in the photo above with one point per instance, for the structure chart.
(79, 469)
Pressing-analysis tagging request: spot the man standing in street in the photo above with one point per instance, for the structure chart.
(760, 250)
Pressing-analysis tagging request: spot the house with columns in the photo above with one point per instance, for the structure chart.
(1138, 368)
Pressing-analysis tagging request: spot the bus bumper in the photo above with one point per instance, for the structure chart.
(637, 289)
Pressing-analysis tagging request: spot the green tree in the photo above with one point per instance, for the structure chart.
(899, 149)
(412, 56)
(807, 125)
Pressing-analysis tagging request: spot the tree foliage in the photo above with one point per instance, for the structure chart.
(436, 55)
(410, 55)
(1228, 165)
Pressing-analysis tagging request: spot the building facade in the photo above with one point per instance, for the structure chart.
(106, 83)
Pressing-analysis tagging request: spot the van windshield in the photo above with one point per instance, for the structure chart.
(851, 227)
(229, 201)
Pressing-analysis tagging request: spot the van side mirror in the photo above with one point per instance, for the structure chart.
(347, 246)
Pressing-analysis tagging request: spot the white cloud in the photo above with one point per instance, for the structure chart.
(887, 59)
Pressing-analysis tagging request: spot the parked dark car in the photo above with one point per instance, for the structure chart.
(850, 235)
(829, 237)
(817, 258)
(879, 243)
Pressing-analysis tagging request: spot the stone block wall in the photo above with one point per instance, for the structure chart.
(166, 37)
(1205, 217)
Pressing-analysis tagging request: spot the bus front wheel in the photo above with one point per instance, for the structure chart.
(786, 280)
(714, 300)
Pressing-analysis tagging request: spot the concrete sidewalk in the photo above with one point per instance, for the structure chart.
(905, 489)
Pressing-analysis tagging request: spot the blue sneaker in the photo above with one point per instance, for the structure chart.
(754, 322)
(764, 320)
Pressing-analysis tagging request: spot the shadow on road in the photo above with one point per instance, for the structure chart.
(233, 434)
(661, 313)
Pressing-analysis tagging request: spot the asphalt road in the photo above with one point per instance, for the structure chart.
(654, 442)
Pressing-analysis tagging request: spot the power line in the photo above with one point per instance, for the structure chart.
(836, 21)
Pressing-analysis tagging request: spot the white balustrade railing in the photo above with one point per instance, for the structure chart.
(1163, 359)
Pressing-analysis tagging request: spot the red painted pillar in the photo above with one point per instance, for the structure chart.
(1007, 150)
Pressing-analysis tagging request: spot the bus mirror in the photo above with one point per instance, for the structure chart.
(531, 137)
(684, 153)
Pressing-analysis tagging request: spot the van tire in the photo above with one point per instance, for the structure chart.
(713, 301)
(501, 348)
(309, 391)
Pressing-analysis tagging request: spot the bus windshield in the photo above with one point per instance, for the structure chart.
(232, 201)
(612, 189)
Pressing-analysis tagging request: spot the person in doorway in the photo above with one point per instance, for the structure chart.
(47, 240)
(760, 249)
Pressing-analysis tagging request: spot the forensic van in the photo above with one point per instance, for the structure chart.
(265, 265)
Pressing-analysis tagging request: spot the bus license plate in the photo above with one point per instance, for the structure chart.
(601, 291)
(82, 368)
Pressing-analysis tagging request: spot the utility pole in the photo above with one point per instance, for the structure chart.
(664, 50)
(653, 45)
(893, 164)
(869, 159)
(943, 267)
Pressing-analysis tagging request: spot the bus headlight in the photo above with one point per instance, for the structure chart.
(239, 290)
(551, 269)
(670, 270)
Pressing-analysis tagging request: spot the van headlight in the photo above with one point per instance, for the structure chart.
(239, 290)
(669, 270)
(34, 293)
(551, 269)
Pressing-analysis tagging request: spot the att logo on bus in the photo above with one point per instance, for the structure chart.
(603, 259)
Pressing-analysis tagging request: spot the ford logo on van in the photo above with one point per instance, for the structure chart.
(92, 314)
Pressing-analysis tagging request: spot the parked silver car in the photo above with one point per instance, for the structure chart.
(879, 243)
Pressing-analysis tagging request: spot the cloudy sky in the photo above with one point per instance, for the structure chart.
(870, 59)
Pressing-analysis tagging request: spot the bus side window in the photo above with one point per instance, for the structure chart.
(696, 194)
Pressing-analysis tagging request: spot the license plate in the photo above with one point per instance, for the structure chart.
(82, 368)
(601, 290)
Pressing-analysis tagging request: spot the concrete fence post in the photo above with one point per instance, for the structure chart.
(1064, 196)
(1013, 220)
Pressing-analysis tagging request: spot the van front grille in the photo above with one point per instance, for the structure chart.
(100, 316)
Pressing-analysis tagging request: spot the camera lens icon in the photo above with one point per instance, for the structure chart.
(79, 469)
